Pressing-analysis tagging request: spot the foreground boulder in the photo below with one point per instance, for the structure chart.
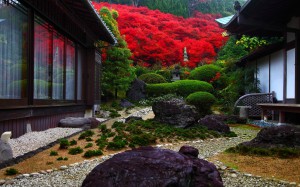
(175, 112)
(149, 167)
(215, 123)
(278, 136)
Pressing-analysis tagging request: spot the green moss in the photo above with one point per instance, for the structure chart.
(11, 171)
(75, 151)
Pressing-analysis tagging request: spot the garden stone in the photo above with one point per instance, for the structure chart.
(5, 137)
(277, 136)
(75, 122)
(148, 166)
(175, 112)
(133, 118)
(189, 151)
(213, 122)
(125, 104)
(137, 90)
(6, 152)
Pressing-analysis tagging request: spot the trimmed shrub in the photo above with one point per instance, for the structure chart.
(91, 153)
(11, 171)
(53, 153)
(75, 151)
(181, 87)
(202, 101)
(73, 142)
(205, 73)
(64, 143)
(186, 87)
(165, 73)
(152, 78)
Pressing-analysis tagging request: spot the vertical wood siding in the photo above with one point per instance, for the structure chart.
(18, 126)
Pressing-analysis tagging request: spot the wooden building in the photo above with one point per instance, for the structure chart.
(49, 66)
(278, 65)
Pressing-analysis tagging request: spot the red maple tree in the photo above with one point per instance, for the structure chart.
(156, 37)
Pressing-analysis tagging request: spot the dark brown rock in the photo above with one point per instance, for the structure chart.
(278, 136)
(189, 151)
(151, 167)
(215, 123)
(137, 90)
(175, 112)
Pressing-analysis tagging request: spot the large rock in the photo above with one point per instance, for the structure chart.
(75, 122)
(149, 167)
(215, 123)
(6, 152)
(278, 136)
(137, 90)
(175, 112)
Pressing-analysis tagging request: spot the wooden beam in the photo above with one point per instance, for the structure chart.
(254, 23)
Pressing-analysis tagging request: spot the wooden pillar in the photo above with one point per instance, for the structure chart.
(285, 69)
(297, 68)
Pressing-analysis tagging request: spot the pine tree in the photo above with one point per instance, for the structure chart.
(117, 69)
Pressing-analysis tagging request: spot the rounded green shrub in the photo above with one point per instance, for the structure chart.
(165, 73)
(205, 73)
(186, 87)
(152, 78)
(181, 88)
(202, 101)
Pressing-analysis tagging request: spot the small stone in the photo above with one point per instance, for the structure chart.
(34, 174)
(293, 183)
(43, 172)
(63, 167)
(223, 167)
(248, 174)
(233, 175)
(2, 182)
(9, 182)
(49, 170)
(26, 175)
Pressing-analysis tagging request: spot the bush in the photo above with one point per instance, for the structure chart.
(202, 101)
(88, 145)
(53, 153)
(11, 171)
(91, 153)
(75, 151)
(152, 78)
(181, 88)
(143, 139)
(64, 143)
(62, 158)
(86, 134)
(117, 144)
(205, 73)
(73, 142)
(165, 73)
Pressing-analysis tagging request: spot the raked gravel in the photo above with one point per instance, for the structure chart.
(36, 139)
(74, 174)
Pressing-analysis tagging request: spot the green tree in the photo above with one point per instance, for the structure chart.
(117, 70)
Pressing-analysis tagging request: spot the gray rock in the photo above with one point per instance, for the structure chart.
(137, 90)
(75, 122)
(6, 152)
(125, 104)
(175, 112)
(212, 122)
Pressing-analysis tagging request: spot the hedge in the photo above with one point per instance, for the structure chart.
(202, 101)
(205, 73)
(181, 88)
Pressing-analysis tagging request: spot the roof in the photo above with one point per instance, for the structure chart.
(224, 20)
(261, 17)
(86, 12)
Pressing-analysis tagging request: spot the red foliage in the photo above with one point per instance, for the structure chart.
(156, 37)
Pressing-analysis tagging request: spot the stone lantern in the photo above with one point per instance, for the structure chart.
(176, 73)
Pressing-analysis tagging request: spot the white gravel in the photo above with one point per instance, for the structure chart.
(36, 139)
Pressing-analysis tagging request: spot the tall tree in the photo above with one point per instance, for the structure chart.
(117, 69)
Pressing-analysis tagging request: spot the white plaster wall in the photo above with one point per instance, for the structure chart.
(263, 74)
(290, 91)
(277, 74)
